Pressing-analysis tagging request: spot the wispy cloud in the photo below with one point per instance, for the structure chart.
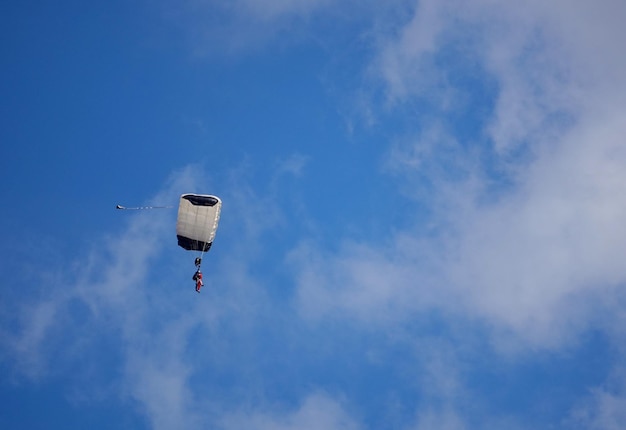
(112, 292)
(539, 261)
(130, 325)
(317, 411)
(242, 25)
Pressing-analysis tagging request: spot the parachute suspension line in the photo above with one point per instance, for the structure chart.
(199, 259)
(137, 208)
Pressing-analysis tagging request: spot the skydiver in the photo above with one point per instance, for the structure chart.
(198, 278)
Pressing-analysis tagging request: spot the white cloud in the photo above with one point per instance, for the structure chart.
(316, 412)
(547, 60)
(294, 165)
(444, 420)
(540, 262)
(533, 259)
(605, 411)
(30, 342)
(114, 286)
(275, 9)
(243, 25)
(605, 406)
(171, 343)
(556, 241)
(404, 63)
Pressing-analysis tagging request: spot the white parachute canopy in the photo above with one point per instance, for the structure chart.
(198, 216)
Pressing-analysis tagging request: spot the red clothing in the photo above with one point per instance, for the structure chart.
(198, 278)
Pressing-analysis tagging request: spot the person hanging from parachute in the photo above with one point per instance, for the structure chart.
(198, 217)
(198, 278)
(198, 275)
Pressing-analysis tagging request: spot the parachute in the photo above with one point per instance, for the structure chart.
(198, 216)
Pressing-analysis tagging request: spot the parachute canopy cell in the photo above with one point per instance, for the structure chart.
(198, 216)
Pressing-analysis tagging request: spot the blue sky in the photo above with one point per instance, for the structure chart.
(422, 224)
